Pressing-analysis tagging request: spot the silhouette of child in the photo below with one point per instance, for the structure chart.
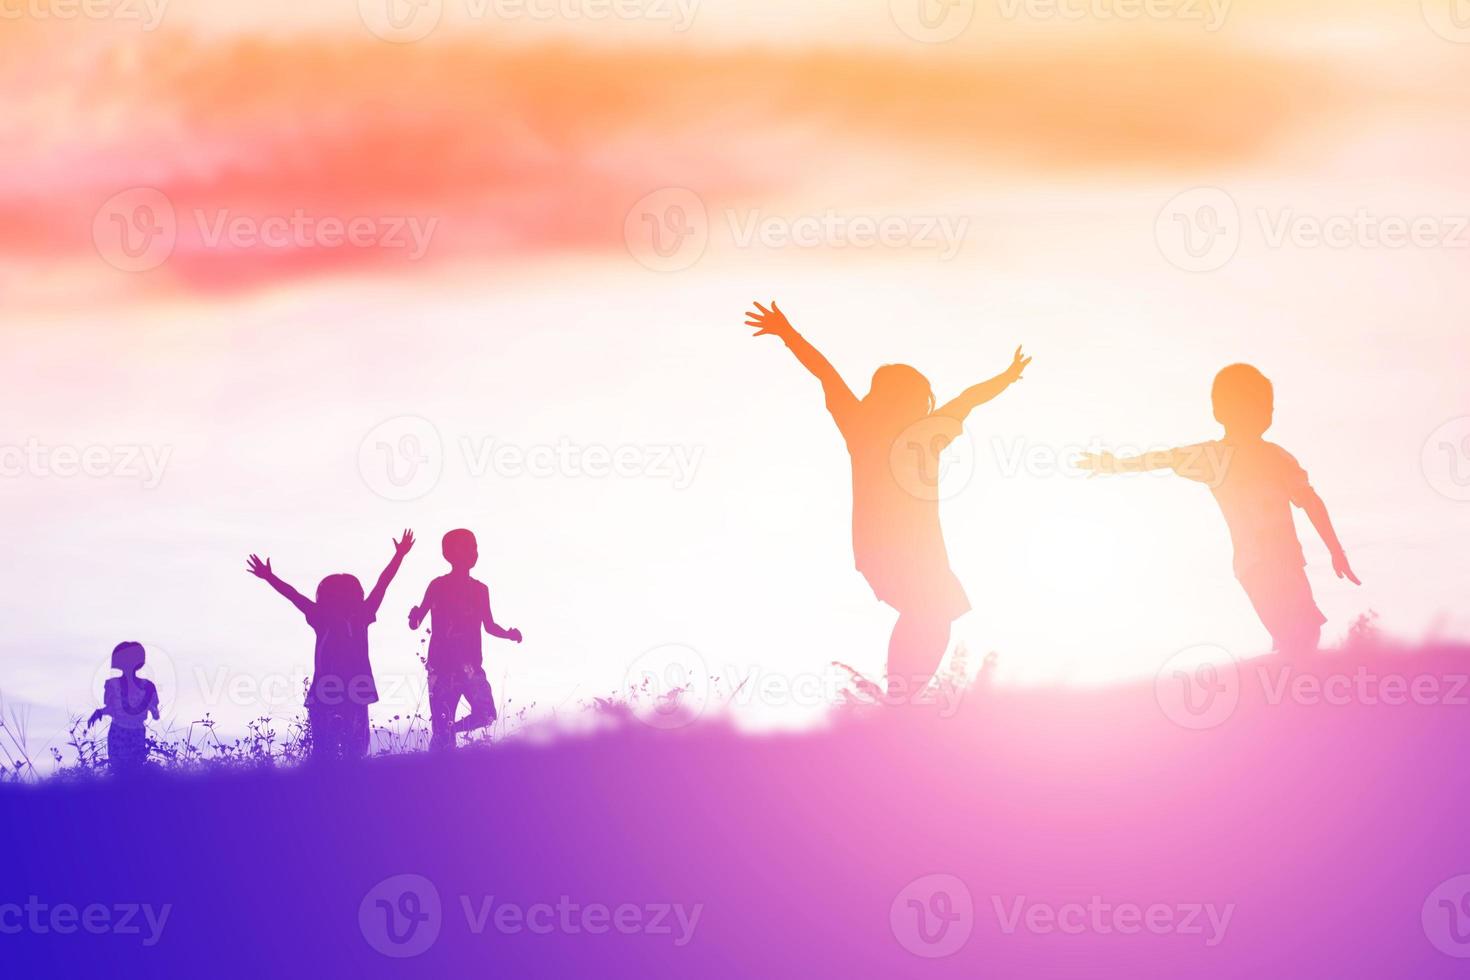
(460, 607)
(1255, 483)
(896, 437)
(128, 700)
(342, 683)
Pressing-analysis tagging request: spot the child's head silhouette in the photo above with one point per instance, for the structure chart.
(128, 656)
(341, 593)
(900, 391)
(461, 550)
(1244, 400)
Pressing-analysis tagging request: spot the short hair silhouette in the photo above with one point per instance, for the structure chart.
(903, 387)
(1243, 399)
(128, 655)
(339, 593)
(460, 548)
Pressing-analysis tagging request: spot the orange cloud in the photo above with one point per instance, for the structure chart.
(532, 148)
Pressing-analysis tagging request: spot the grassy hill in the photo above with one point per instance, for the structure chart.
(1309, 830)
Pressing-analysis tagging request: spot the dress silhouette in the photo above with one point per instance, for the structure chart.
(896, 439)
(342, 684)
(128, 700)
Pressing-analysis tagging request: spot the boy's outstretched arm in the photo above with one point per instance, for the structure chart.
(840, 399)
(1107, 463)
(400, 548)
(975, 396)
(1316, 510)
(262, 570)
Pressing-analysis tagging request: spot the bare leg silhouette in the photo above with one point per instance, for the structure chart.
(914, 652)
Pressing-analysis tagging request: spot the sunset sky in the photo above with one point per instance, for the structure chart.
(368, 254)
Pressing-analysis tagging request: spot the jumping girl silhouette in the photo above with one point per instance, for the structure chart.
(895, 437)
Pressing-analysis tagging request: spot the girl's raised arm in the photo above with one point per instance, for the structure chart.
(400, 548)
(840, 399)
(977, 395)
(262, 570)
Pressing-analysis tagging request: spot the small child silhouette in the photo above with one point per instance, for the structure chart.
(128, 700)
(342, 683)
(1255, 483)
(460, 607)
(896, 438)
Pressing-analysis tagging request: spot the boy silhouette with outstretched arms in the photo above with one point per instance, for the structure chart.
(460, 607)
(1255, 482)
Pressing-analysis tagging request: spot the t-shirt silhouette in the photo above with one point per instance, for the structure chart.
(343, 674)
(459, 607)
(129, 701)
(1255, 483)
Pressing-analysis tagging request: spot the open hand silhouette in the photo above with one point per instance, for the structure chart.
(1018, 364)
(771, 321)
